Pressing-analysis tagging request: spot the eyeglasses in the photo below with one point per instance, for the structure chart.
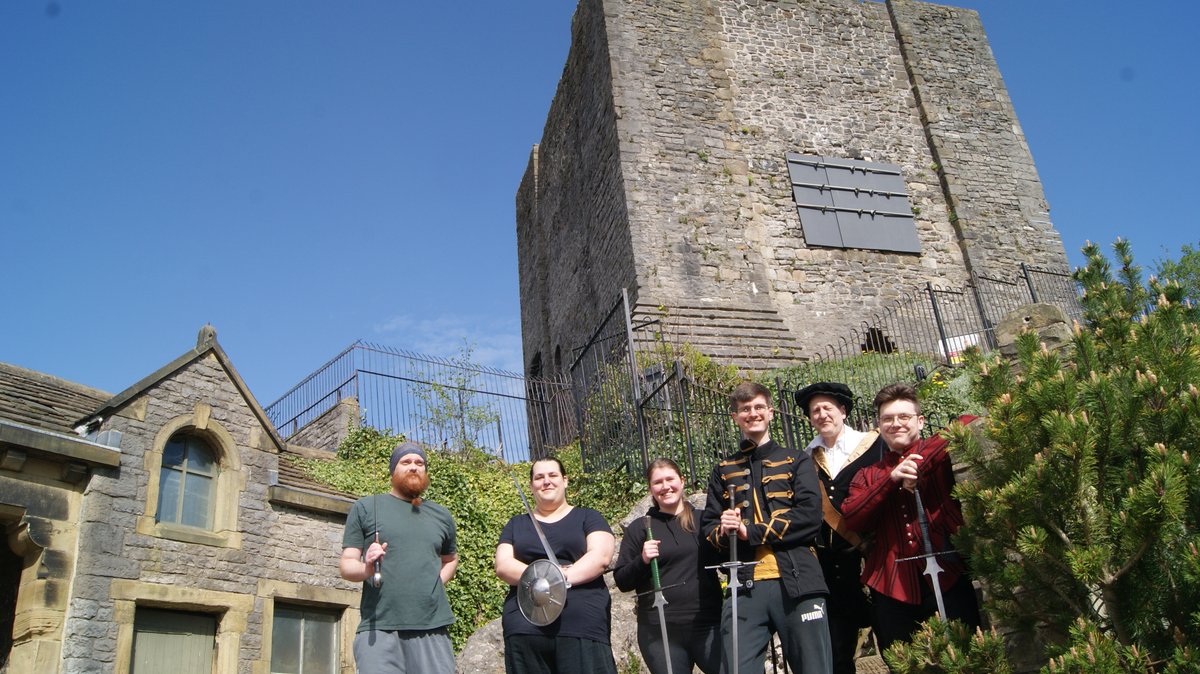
(897, 418)
(753, 409)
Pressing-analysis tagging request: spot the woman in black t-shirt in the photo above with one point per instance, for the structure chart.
(578, 640)
(693, 593)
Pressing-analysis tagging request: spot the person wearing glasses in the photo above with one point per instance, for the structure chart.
(839, 452)
(775, 518)
(882, 501)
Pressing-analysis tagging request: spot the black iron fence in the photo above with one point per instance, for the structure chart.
(628, 399)
(636, 402)
(437, 401)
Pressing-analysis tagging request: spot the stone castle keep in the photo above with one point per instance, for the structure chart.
(772, 170)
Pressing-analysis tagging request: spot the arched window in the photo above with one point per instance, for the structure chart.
(188, 482)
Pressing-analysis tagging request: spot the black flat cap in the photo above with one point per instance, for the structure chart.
(839, 392)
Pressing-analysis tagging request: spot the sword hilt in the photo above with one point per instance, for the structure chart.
(377, 576)
(733, 565)
(657, 580)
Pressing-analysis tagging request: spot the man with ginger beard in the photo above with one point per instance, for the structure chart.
(404, 619)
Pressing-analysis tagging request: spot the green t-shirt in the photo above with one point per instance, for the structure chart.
(412, 596)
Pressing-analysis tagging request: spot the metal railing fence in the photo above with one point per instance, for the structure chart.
(628, 399)
(437, 401)
(636, 403)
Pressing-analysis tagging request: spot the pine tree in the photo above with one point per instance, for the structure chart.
(1084, 518)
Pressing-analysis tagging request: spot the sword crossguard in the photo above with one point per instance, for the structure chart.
(664, 587)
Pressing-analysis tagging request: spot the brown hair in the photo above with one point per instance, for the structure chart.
(747, 391)
(894, 392)
(561, 471)
(687, 519)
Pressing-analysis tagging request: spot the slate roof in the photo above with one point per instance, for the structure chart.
(46, 402)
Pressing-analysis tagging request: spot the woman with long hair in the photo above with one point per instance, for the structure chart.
(693, 593)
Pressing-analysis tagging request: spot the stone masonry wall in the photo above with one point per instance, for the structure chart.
(986, 168)
(709, 97)
(277, 544)
(328, 430)
(575, 253)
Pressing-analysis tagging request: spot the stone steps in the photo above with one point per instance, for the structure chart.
(753, 340)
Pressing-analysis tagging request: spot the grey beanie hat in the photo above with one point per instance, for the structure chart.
(406, 447)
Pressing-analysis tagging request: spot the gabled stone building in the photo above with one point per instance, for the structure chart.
(765, 173)
(163, 529)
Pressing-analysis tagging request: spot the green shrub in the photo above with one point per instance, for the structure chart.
(948, 648)
(1086, 502)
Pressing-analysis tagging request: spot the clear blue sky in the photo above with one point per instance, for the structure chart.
(305, 173)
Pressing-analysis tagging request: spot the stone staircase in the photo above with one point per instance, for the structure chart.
(752, 339)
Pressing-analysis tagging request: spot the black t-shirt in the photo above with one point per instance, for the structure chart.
(586, 613)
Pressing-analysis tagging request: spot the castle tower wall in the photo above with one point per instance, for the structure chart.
(706, 99)
(574, 249)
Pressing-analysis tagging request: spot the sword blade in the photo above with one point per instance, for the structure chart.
(932, 568)
(662, 622)
(733, 624)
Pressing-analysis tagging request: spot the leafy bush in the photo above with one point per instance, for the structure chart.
(948, 648)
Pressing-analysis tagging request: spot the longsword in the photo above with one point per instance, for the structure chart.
(660, 602)
(732, 566)
(932, 568)
(377, 576)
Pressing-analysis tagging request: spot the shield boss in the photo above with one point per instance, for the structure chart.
(542, 592)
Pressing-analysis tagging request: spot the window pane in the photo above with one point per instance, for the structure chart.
(304, 640)
(197, 500)
(320, 643)
(168, 495)
(173, 452)
(200, 457)
(285, 641)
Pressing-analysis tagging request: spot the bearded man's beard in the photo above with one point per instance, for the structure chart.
(410, 486)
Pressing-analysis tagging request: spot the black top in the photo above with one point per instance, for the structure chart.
(696, 595)
(837, 488)
(783, 510)
(586, 613)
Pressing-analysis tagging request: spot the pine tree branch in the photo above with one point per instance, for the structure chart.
(1128, 566)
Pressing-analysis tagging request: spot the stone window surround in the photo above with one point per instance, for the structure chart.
(230, 609)
(296, 594)
(230, 482)
(196, 460)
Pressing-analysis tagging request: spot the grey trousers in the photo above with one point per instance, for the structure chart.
(403, 652)
(764, 610)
